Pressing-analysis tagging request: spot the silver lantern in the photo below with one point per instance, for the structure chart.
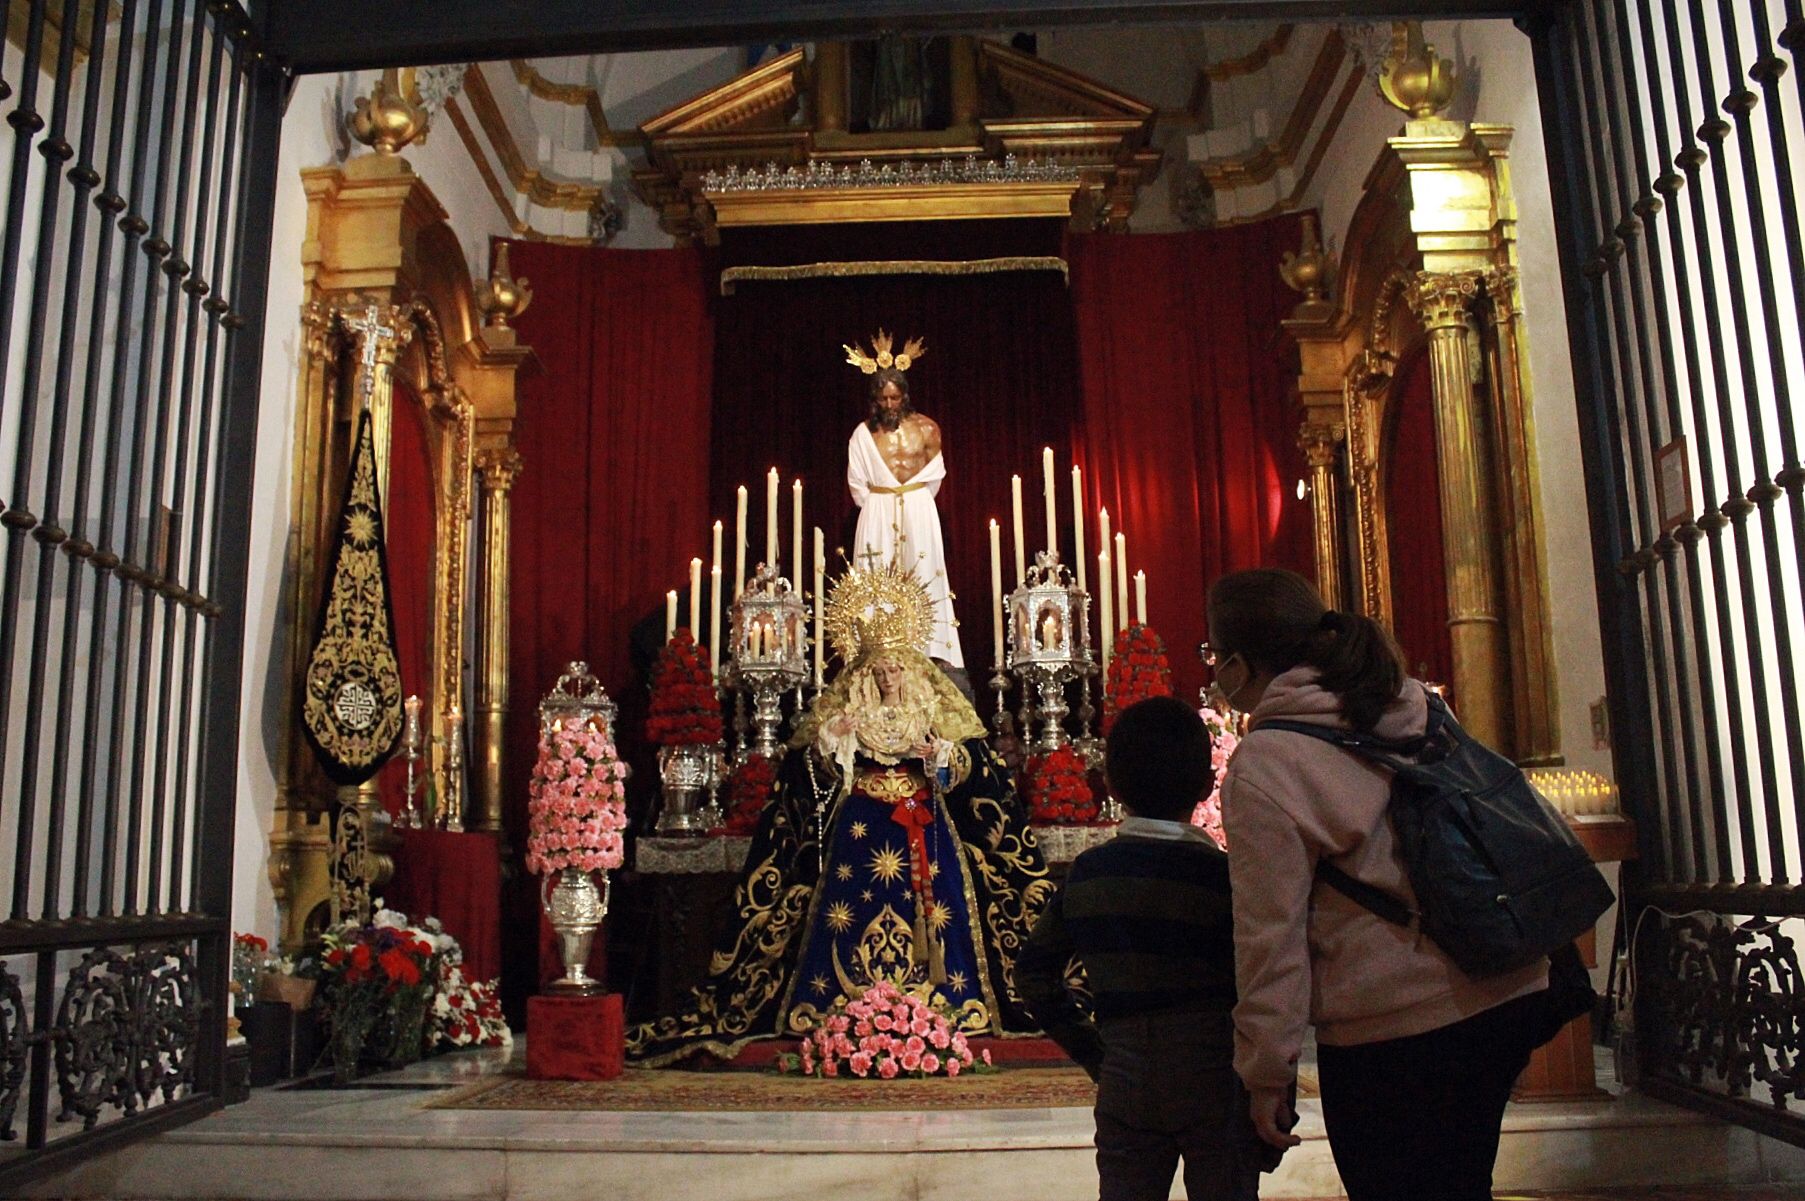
(1048, 646)
(770, 652)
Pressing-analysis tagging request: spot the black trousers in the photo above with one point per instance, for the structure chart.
(1168, 1091)
(1417, 1119)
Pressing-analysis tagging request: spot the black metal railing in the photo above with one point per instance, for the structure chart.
(133, 258)
(1674, 139)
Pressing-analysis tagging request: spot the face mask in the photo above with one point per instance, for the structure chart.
(1228, 690)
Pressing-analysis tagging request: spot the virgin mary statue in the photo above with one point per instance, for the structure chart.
(893, 850)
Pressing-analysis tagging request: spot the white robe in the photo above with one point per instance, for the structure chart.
(912, 514)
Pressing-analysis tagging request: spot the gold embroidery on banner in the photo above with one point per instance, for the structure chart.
(892, 786)
(352, 701)
(844, 270)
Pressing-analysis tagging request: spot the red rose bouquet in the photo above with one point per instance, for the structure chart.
(686, 709)
(1137, 671)
(749, 788)
(382, 972)
(577, 802)
(1058, 788)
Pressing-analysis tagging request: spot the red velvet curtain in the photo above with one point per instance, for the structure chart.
(999, 376)
(612, 498)
(1189, 439)
(409, 520)
(1419, 583)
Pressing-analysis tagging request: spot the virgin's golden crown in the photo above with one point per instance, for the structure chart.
(876, 609)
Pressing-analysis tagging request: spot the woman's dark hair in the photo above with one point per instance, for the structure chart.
(1158, 758)
(1276, 620)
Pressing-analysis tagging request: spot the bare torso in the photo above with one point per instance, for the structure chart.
(909, 447)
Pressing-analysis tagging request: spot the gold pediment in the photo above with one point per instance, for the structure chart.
(793, 112)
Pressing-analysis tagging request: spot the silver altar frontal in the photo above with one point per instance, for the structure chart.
(1048, 646)
(770, 652)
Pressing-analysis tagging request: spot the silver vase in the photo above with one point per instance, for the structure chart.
(575, 906)
(687, 774)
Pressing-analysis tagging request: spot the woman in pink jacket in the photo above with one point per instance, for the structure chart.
(1416, 1059)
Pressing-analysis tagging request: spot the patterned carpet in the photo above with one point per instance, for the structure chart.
(705, 1092)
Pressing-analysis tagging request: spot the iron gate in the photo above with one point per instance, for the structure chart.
(1675, 137)
(132, 264)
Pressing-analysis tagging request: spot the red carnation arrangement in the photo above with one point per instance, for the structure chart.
(749, 788)
(686, 710)
(1137, 671)
(1058, 787)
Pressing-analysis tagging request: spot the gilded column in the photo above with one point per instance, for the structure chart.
(1441, 300)
(498, 467)
(1535, 680)
(831, 71)
(963, 56)
(1319, 442)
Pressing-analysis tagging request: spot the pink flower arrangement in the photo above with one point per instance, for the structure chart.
(1223, 741)
(885, 1032)
(577, 806)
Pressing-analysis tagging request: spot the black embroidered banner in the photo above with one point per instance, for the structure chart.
(351, 703)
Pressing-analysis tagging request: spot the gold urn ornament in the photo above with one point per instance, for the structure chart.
(386, 119)
(1413, 77)
(1309, 268)
(501, 296)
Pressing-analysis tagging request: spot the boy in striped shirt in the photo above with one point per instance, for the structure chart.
(1147, 916)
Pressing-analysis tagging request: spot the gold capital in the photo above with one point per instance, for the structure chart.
(499, 467)
(1441, 299)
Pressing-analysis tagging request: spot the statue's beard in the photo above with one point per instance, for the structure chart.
(889, 419)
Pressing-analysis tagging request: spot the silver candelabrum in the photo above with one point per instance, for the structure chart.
(1048, 647)
(770, 653)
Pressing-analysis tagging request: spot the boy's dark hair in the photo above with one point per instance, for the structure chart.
(1158, 758)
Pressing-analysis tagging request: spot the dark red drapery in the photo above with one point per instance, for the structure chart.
(612, 497)
(999, 376)
(1188, 438)
(1419, 584)
(409, 520)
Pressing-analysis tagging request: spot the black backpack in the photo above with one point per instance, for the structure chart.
(1499, 878)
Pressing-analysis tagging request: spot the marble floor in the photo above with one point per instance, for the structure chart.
(379, 1141)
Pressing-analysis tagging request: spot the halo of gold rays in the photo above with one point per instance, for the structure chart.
(880, 355)
(877, 609)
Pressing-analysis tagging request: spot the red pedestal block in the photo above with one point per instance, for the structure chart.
(575, 1038)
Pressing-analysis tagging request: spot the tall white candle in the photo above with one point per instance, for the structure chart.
(695, 597)
(820, 591)
(1107, 616)
(1046, 471)
(1140, 597)
(714, 618)
(739, 545)
(670, 615)
(1021, 554)
(996, 591)
(796, 559)
(1121, 570)
(771, 520)
(717, 546)
(1078, 525)
(1103, 543)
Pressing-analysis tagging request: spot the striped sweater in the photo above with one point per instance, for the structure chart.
(1147, 914)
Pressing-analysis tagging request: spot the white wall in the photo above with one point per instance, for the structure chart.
(1496, 77)
(312, 135)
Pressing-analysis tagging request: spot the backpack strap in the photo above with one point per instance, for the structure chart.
(1376, 901)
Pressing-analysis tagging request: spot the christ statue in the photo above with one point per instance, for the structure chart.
(894, 468)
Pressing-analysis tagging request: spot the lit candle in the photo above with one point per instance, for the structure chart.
(412, 706)
(1021, 554)
(717, 546)
(796, 559)
(771, 520)
(996, 590)
(1121, 570)
(1108, 615)
(1078, 525)
(1046, 471)
(1103, 582)
(714, 617)
(820, 591)
(1140, 597)
(670, 615)
(739, 546)
(695, 597)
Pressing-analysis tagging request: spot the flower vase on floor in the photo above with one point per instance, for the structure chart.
(576, 818)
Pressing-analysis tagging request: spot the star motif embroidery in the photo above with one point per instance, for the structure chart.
(956, 981)
(844, 871)
(819, 984)
(933, 871)
(857, 830)
(360, 527)
(865, 896)
(839, 917)
(939, 917)
(887, 864)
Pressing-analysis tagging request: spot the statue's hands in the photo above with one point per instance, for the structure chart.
(924, 751)
(841, 726)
